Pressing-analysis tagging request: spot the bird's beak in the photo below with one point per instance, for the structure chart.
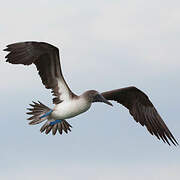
(102, 99)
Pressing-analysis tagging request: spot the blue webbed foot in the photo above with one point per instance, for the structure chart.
(55, 122)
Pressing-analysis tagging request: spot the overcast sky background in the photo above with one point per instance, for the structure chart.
(103, 45)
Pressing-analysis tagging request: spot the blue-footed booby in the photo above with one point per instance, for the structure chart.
(67, 104)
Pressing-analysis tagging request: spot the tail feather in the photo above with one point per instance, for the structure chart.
(36, 121)
(48, 129)
(54, 129)
(43, 128)
(60, 127)
(37, 112)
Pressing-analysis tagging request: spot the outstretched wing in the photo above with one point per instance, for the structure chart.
(142, 110)
(47, 61)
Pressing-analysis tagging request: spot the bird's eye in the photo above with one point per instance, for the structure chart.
(96, 96)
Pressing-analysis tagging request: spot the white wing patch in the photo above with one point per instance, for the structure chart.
(65, 94)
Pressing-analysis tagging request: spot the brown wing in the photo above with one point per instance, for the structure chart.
(47, 61)
(142, 110)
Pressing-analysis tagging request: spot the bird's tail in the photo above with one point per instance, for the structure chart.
(60, 125)
(39, 113)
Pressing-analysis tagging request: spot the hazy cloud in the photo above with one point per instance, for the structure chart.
(103, 45)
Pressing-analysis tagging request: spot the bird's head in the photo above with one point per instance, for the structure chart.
(95, 96)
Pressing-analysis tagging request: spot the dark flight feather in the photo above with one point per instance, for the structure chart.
(46, 58)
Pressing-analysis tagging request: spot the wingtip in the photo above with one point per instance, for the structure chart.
(6, 49)
(176, 143)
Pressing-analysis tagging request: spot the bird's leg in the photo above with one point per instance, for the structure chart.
(46, 114)
(55, 122)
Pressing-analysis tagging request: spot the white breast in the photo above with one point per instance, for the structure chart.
(69, 109)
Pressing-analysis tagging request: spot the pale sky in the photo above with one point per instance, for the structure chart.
(103, 45)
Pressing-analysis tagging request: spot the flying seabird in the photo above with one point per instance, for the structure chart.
(67, 104)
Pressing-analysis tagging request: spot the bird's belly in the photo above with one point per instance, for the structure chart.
(66, 110)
